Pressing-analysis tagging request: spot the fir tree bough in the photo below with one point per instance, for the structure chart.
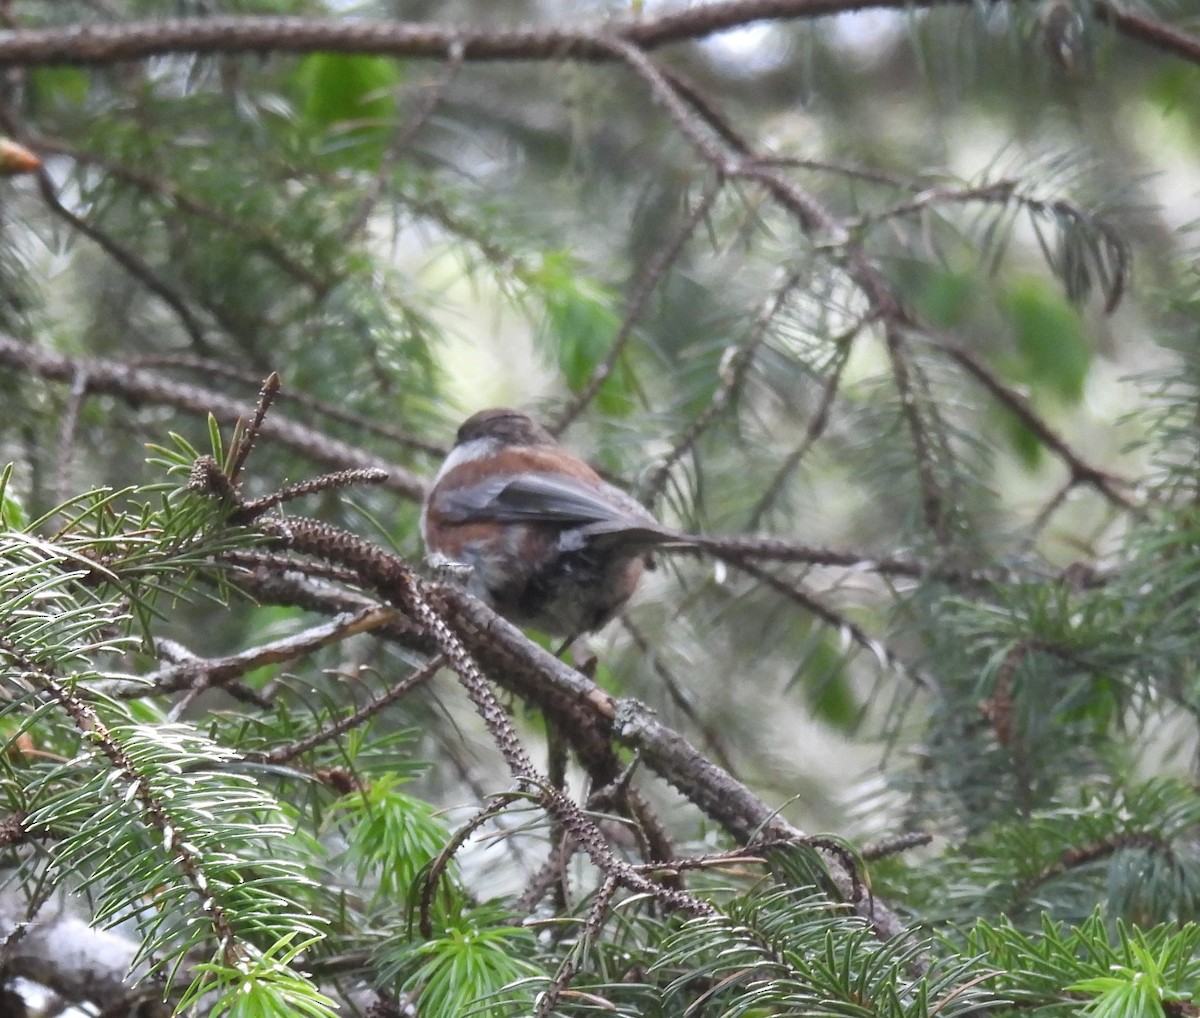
(901, 316)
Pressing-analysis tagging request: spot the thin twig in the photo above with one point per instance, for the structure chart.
(712, 738)
(816, 428)
(733, 369)
(245, 437)
(128, 259)
(1046, 513)
(252, 509)
(597, 913)
(431, 876)
(66, 433)
(190, 671)
(831, 617)
(1082, 472)
(379, 183)
(635, 307)
(282, 754)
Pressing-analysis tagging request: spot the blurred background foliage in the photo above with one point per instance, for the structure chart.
(408, 241)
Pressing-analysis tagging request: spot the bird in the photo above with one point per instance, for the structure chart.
(545, 541)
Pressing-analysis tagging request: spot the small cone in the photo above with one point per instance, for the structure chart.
(16, 159)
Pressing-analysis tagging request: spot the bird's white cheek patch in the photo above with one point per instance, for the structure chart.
(468, 452)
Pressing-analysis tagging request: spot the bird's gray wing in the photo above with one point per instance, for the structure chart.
(548, 498)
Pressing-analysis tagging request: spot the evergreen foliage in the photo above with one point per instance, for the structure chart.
(904, 321)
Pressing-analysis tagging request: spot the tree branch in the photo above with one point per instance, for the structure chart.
(136, 386)
(100, 44)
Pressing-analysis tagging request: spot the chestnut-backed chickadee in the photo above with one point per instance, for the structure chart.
(547, 542)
